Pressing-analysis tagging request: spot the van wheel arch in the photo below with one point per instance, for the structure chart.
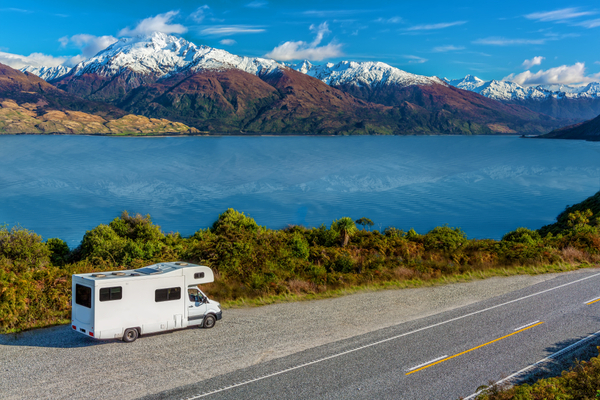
(131, 334)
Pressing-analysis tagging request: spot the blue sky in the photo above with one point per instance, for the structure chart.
(528, 42)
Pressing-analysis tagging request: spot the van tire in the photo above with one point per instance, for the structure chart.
(130, 335)
(209, 321)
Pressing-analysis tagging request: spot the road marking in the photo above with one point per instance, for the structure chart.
(474, 348)
(393, 337)
(428, 362)
(525, 326)
(592, 301)
(550, 357)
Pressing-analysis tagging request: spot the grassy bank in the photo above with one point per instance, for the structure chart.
(582, 381)
(254, 265)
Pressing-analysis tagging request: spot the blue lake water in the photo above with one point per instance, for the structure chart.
(61, 186)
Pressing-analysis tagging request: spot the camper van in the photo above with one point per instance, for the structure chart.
(156, 298)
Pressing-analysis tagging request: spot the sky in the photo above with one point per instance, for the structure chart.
(528, 42)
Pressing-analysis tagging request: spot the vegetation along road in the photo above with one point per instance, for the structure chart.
(357, 346)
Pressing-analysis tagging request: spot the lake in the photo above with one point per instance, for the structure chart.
(61, 186)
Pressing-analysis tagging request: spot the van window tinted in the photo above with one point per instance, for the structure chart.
(199, 275)
(167, 294)
(83, 295)
(111, 293)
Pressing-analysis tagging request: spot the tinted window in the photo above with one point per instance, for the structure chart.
(199, 275)
(111, 293)
(83, 296)
(167, 294)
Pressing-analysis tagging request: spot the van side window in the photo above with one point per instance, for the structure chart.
(199, 275)
(111, 293)
(167, 294)
(83, 295)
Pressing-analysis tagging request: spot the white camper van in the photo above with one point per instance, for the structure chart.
(156, 298)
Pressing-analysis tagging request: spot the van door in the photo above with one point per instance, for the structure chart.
(196, 306)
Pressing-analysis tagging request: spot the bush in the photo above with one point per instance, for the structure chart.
(59, 251)
(22, 250)
(444, 238)
(522, 235)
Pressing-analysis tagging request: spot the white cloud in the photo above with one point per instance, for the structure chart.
(444, 49)
(534, 61)
(558, 15)
(228, 42)
(592, 23)
(160, 23)
(392, 20)
(307, 51)
(415, 59)
(200, 13)
(500, 41)
(34, 59)
(257, 4)
(221, 30)
(435, 26)
(89, 45)
(565, 74)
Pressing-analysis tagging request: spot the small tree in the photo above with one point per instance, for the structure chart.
(579, 219)
(345, 227)
(364, 222)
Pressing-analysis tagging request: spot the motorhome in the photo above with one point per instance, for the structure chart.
(131, 303)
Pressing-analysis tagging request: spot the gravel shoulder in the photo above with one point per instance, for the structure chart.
(55, 363)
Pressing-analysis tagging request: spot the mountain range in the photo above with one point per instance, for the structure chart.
(164, 77)
(568, 103)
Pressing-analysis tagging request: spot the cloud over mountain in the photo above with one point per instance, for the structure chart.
(309, 51)
(160, 23)
(565, 74)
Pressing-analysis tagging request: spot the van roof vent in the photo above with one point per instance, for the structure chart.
(181, 263)
(118, 273)
(134, 274)
(99, 275)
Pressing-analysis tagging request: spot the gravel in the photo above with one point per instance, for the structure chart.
(56, 363)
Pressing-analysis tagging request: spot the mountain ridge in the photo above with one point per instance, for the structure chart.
(163, 76)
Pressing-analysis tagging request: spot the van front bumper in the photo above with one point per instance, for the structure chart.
(219, 315)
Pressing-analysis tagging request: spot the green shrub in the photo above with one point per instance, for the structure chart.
(444, 238)
(522, 235)
(59, 251)
(23, 250)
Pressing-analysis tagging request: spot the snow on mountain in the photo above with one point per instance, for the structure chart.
(47, 73)
(164, 55)
(507, 91)
(469, 82)
(370, 74)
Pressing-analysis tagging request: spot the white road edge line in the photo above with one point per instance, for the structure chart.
(525, 326)
(427, 363)
(594, 299)
(558, 353)
(392, 338)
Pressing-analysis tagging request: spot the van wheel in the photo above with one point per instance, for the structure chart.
(209, 321)
(130, 335)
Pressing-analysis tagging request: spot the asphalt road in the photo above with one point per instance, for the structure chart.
(442, 356)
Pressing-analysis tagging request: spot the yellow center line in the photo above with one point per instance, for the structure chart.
(592, 302)
(474, 348)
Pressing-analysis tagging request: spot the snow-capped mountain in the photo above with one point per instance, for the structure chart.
(370, 74)
(164, 55)
(47, 73)
(510, 91)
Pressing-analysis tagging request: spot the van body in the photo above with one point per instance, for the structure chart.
(131, 303)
